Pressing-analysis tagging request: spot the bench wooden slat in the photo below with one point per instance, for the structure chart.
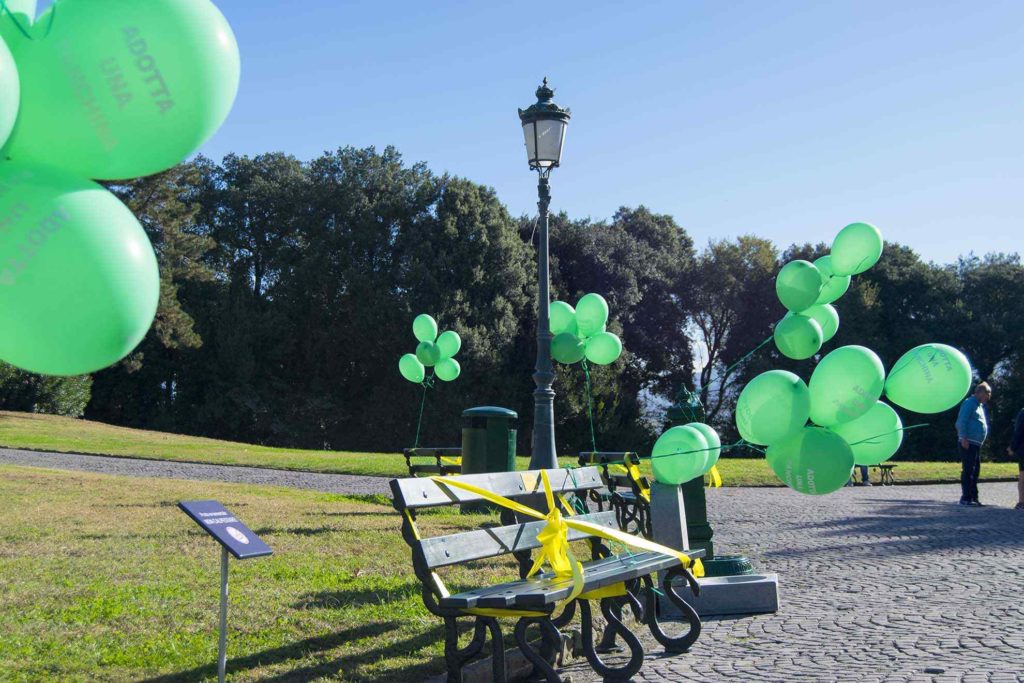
(442, 551)
(413, 494)
(545, 589)
(431, 452)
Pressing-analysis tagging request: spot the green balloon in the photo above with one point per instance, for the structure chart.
(591, 315)
(79, 284)
(9, 91)
(411, 368)
(679, 455)
(449, 344)
(856, 248)
(797, 336)
(714, 444)
(798, 285)
(562, 318)
(845, 384)
(603, 348)
(875, 436)
(121, 88)
(929, 378)
(834, 286)
(21, 14)
(772, 406)
(827, 318)
(448, 369)
(567, 348)
(814, 461)
(428, 353)
(424, 328)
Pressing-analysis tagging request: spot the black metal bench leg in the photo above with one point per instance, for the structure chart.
(456, 658)
(607, 643)
(682, 642)
(541, 666)
(636, 649)
(498, 673)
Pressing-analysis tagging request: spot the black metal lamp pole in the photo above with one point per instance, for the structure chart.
(544, 125)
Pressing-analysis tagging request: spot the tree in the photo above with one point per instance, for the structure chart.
(139, 390)
(733, 308)
(31, 393)
(640, 262)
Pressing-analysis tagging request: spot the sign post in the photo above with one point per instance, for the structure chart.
(233, 537)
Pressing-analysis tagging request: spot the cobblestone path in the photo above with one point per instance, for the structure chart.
(877, 584)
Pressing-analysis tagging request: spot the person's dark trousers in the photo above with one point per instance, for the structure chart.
(970, 459)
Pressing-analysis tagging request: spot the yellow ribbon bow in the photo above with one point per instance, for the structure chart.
(554, 539)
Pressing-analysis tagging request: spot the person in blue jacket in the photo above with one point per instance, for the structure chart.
(1017, 448)
(971, 430)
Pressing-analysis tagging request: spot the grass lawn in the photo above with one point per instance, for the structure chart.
(53, 433)
(104, 579)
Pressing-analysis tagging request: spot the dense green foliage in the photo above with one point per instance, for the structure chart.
(288, 289)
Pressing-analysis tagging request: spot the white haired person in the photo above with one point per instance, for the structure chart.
(971, 430)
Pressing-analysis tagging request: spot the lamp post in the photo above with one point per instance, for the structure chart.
(544, 124)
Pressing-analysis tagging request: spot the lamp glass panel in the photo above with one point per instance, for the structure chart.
(550, 135)
(531, 141)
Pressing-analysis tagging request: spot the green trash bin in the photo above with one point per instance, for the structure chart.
(488, 440)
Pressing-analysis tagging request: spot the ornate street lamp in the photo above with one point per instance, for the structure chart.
(544, 125)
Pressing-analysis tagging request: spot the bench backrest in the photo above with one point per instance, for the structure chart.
(410, 495)
(455, 452)
(607, 461)
(442, 461)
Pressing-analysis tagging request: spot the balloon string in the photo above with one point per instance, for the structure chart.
(748, 355)
(590, 406)
(4, 9)
(870, 439)
(426, 383)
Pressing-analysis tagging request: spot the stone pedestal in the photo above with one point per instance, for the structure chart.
(668, 516)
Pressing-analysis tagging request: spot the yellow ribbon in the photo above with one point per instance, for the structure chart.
(554, 538)
(715, 478)
(451, 461)
(634, 474)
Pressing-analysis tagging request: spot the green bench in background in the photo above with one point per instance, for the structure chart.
(431, 461)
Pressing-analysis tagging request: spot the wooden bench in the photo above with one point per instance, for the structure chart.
(534, 601)
(629, 493)
(886, 475)
(442, 461)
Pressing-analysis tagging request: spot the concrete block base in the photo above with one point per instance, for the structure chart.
(719, 595)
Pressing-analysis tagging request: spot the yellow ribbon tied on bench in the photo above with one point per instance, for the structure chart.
(554, 540)
(714, 478)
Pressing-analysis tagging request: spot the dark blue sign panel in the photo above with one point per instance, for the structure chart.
(225, 527)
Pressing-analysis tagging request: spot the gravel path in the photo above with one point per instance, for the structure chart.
(134, 467)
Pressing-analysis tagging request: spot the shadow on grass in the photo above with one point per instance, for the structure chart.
(295, 530)
(348, 665)
(344, 599)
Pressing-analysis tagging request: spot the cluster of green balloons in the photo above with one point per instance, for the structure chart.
(95, 90)
(808, 290)
(580, 333)
(685, 452)
(851, 425)
(433, 351)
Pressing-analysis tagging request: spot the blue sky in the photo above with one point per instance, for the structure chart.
(785, 119)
